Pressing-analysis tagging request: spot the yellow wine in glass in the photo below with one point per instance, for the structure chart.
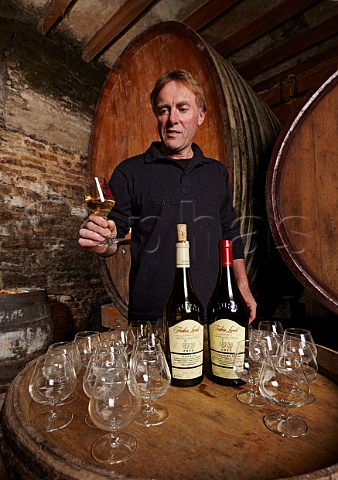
(96, 207)
(99, 202)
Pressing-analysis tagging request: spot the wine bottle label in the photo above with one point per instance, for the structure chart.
(186, 349)
(223, 337)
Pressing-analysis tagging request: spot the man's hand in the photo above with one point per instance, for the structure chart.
(243, 285)
(94, 231)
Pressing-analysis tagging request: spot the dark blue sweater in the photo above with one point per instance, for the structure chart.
(153, 194)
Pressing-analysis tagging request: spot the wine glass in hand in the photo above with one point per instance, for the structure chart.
(99, 202)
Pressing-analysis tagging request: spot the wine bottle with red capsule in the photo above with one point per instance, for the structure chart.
(228, 320)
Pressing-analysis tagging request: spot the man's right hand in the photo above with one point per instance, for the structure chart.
(94, 231)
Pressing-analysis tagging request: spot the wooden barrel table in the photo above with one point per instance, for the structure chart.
(209, 435)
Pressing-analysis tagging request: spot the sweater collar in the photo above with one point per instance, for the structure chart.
(154, 153)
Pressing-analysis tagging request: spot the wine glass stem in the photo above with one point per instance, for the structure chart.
(114, 441)
(148, 406)
(285, 413)
(255, 388)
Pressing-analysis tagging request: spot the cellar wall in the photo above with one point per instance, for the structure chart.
(47, 101)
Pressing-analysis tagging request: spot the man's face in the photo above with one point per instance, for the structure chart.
(178, 118)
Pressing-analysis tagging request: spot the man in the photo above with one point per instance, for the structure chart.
(171, 183)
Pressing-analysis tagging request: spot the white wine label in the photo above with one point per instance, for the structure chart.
(184, 374)
(186, 349)
(223, 337)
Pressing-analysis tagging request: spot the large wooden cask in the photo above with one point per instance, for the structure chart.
(239, 130)
(302, 193)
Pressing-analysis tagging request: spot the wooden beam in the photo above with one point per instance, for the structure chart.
(53, 11)
(306, 80)
(118, 22)
(208, 12)
(328, 57)
(289, 48)
(261, 25)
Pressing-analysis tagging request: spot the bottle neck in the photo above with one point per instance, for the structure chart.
(226, 253)
(226, 274)
(182, 255)
(182, 275)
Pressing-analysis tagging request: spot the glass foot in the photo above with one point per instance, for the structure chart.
(251, 398)
(285, 425)
(114, 449)
(311, 399)
(152, 415)
(52, 420)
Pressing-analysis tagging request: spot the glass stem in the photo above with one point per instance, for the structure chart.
(148, 407)
(255, 388)
(114, 440)
(285, 413)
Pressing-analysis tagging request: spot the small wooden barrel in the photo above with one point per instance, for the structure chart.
(209, 435)
(302, 193)
(26, 330)
(239, 130)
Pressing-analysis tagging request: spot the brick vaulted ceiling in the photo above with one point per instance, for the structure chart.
(280, 47)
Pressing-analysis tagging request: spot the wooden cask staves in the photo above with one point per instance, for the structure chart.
(302, 193)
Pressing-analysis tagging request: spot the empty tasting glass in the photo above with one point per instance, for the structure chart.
(271, 342)
(153, 378)
(283, 383)
(71, 350)
(102, 359)
(125, 335)
(52, 382)
(272, 326)
(302, 334)
(86, 342)
(303, 351)
(149, 342)
(141, 328)
(248, 361)
(114, 403)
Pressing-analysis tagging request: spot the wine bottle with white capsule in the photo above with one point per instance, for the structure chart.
(183, 319)
(228, 320)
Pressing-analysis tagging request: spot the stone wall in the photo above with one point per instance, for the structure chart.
(47, 102)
